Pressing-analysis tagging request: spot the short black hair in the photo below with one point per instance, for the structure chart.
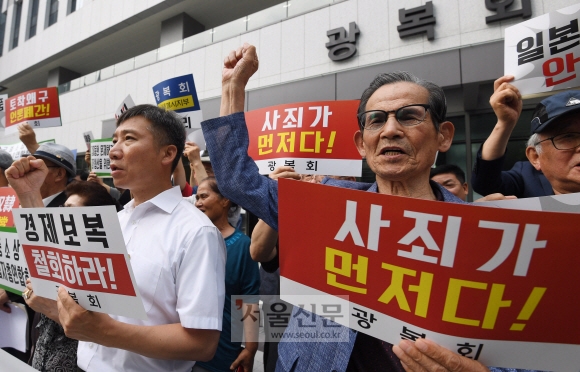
(166, 126)
(437, 101)
(448, 168)
(93, 194)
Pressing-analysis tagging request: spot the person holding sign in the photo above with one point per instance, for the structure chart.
(523, 180)
(179, 268)
(402, 126)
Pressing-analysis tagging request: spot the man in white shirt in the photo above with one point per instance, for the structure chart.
(177, 255)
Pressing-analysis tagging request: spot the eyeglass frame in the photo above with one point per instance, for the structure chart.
(554, 144)
(426, 106)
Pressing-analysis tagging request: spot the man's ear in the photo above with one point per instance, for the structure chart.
(169, 154)
(533, 157)
(61, 175)
(359, 143)
(445, 135)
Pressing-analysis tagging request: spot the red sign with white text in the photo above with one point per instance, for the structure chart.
(8, 201)
(499, 279)
(312, 137)
(40, 107)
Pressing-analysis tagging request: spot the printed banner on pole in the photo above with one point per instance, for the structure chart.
(179, 95)
(3, 98)
(312, 137)
(88, 137)
(13, 267)
(125, 105)
(82, 249)
(40, 107)
(100, 162)
(496, 285)
(543, 53)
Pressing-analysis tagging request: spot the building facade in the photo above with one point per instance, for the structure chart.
(99, 51)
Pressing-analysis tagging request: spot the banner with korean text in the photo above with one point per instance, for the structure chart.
(13, 267)
(312, 137)
(100, 162)
(40, 107)
(179, 95)
(543, 53)
(82, 249)
(496, 285)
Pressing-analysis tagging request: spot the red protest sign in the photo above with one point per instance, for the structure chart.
(40, 107)
(8, 201)
(88, 271)
(458, 274)
(312, 137)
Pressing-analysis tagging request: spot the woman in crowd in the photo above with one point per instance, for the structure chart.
(242, 278)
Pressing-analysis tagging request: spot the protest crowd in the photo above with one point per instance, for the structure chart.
(190, 257)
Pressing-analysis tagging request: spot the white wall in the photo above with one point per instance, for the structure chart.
(289, 50)
(94, 17)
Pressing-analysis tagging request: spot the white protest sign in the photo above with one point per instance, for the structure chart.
(569, 203)
(100, 162)
(88, 137)
(13, 328)
(179, 94)
(197, 137)
(83, 250)
(13, 267)
(543, 53)
(125, 105)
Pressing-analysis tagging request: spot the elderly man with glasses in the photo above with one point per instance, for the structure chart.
(553, 166)
(402, 126)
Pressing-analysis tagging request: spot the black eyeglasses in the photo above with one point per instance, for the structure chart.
(407, 116)
(564, 141)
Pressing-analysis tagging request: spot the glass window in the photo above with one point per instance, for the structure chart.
(16, 24)
(52, 12)
(74, 5)
(459, 124)
(33, 18)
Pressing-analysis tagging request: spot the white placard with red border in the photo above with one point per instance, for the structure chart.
(83, 250)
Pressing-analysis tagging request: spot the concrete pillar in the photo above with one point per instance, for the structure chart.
(60, 75)
(179, 27)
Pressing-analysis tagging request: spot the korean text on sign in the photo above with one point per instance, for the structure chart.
(100, 162)
(13, 267)
(40, 107)
(178, 94)
(312, 137)
(82, 249)
(477, 280)
(543, 53)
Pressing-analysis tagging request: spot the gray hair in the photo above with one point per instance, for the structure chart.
(533, 142)
(437, 101)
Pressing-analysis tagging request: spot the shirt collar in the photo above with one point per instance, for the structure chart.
(46, 201)
(166, 201)
(441, 193)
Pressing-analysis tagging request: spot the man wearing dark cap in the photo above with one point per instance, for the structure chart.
(61, 168)
(5, 163)
(551, 150)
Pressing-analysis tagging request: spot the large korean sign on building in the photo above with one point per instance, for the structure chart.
(496, 285)
(311, 137)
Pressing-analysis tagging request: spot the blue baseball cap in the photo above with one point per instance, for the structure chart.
(553, 107)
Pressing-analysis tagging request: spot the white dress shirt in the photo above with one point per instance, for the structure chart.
(178, 258)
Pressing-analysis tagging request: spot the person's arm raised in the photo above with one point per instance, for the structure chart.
(506, 102)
